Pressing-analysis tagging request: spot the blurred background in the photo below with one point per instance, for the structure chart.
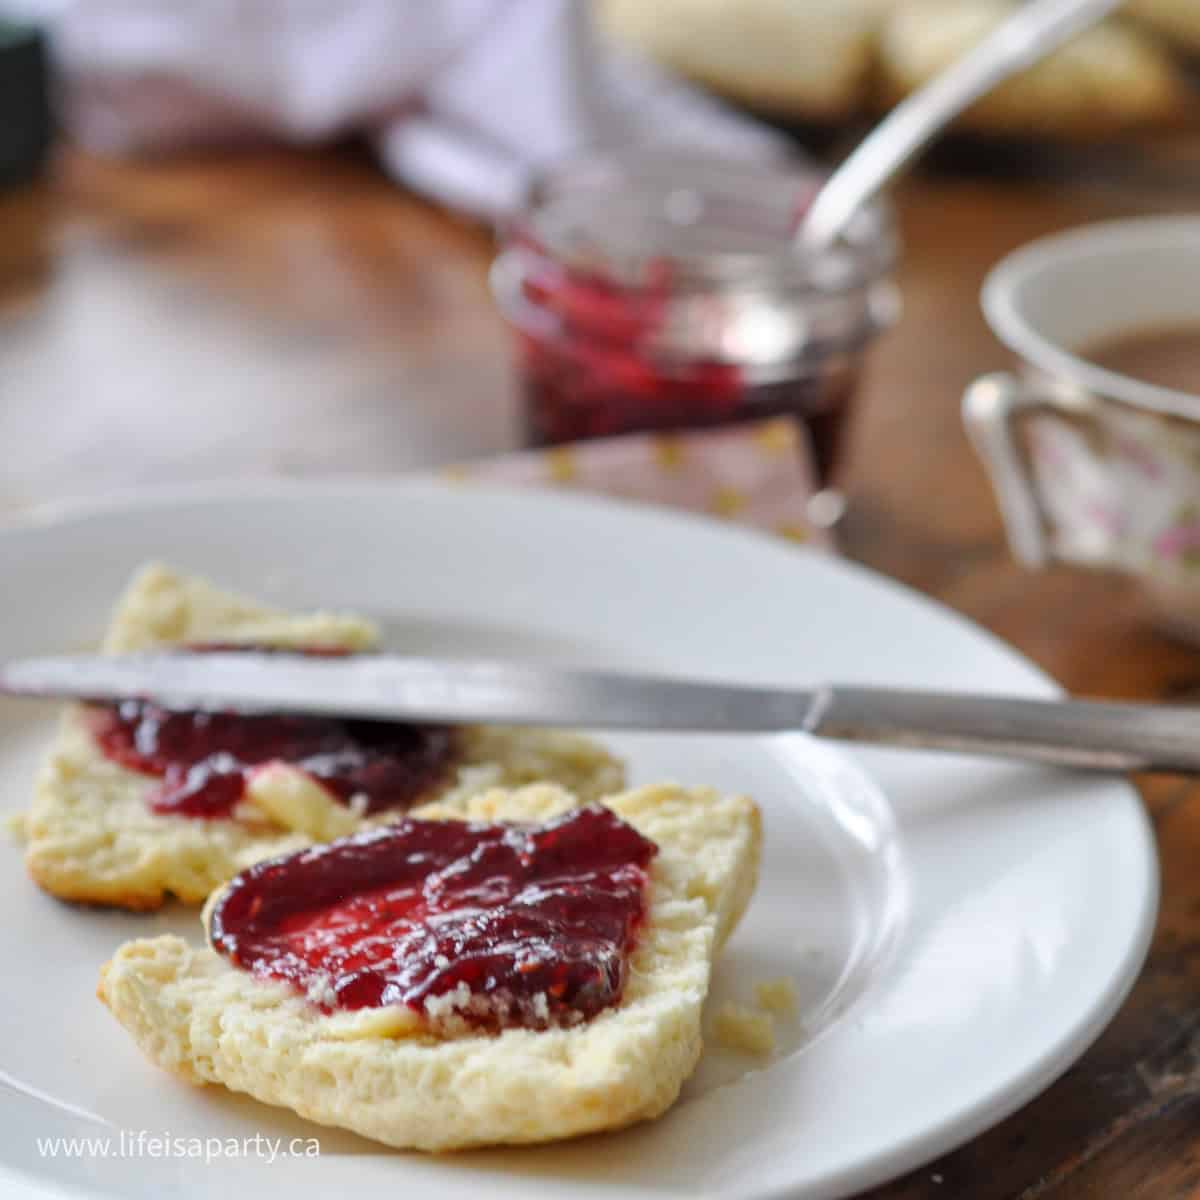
(255, 238)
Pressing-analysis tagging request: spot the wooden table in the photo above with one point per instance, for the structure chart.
(297, 314)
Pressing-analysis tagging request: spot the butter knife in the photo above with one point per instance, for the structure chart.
(1100, 735)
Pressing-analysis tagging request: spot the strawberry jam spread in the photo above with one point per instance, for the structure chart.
(497, 925)
(204, 759)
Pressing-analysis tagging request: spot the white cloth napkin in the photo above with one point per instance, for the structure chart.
(461, 98)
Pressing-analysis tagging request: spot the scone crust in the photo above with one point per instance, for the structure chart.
(193, 1013)
(1110, 77)
(91, 836)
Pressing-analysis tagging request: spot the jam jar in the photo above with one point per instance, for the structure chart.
(654, 290)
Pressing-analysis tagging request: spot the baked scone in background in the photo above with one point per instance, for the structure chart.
(1110, 77)
(812, 58)
(373, 1072)
(93, 838)
(825, 61)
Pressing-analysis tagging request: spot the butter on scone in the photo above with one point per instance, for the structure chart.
(400, 1071)
(131, 807)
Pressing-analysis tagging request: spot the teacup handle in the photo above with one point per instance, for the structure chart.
(990, 407)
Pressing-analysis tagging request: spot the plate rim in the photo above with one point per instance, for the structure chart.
(889, 1162)
(53, 513)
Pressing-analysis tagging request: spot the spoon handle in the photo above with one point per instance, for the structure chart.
(1034, 31)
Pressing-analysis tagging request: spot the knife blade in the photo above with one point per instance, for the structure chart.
(1077, 733)
(389, 687)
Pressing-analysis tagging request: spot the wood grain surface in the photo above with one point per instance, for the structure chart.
(291, 313)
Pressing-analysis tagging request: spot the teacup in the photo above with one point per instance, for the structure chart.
(1090, 466)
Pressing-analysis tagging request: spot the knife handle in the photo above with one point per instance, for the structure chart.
(1072, 733)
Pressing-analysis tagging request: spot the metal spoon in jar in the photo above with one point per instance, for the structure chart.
(1029, 35)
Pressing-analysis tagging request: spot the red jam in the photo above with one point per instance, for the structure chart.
(204, 759)
(597, 374)
(575, 391)
(516, 925)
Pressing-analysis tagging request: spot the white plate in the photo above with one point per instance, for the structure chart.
(954, 960)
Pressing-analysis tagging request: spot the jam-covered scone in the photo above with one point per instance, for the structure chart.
(137, 803)
(533, 972)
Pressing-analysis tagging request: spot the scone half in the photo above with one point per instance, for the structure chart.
(370, 1071)
(92, 836)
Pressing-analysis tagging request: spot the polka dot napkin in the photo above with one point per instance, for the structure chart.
(760, 474)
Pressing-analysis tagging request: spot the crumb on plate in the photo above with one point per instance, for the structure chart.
(777, 996)
(740, 1028)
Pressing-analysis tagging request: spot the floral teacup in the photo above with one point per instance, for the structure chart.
(1089, 466)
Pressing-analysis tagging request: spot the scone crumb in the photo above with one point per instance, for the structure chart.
(777, 996)
(457, 1012)
(320, 990)
(740, 1028)
(450, 1003)
(14, 826)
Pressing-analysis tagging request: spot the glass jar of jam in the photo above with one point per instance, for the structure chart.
(652, 290)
